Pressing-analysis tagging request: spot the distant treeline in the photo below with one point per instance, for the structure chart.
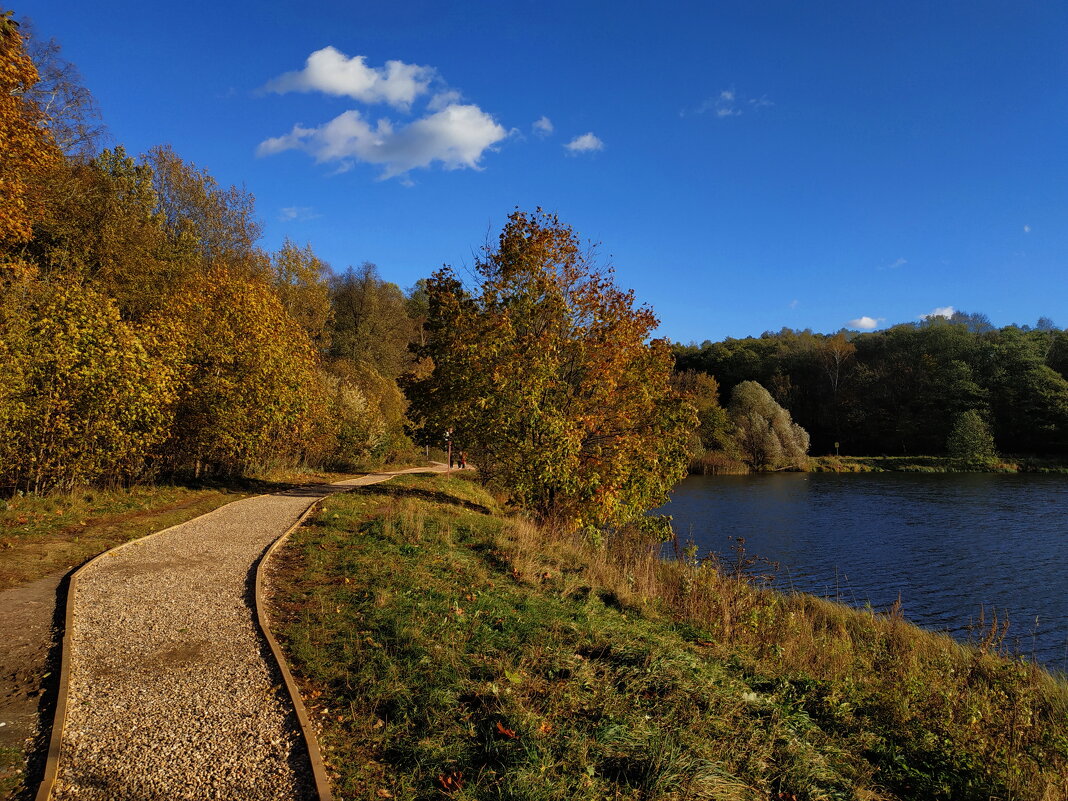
(900, 390)
(144, 331)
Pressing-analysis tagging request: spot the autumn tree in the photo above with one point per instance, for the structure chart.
(82, 401)
(203, 220)
(101, 227)
(29, 151)
(300, 278)
(370, 323)
(764, 433)
(546, 374)
(248, 384)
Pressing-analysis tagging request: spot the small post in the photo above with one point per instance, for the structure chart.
(448, 442)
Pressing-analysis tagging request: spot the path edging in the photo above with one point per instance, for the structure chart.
(311, 742)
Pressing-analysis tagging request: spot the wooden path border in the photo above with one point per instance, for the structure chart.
(311, 742)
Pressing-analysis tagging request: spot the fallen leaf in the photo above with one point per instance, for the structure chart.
(450, 782)
(509, 733)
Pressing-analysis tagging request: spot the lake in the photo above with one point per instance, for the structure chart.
(948, 545)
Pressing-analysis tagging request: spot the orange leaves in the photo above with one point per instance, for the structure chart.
(547, 373)
(504, 731)
(451, 782)
(29, 150)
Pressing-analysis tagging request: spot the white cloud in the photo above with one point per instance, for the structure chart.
(941, 311)
(456, 136)
(729, 103)
(297, 213)
(542, 126)
(793, 303)
(331, 71)
(1027, 229)
(864, 323)
(587, 143)
(449, 97)
(896, 264)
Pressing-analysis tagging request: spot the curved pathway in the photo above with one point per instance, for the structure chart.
(173, 693)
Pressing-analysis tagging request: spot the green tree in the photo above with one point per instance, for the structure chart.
(764, 434)
(547, 376)
(701, 390)
(970, 442)
(371, 326)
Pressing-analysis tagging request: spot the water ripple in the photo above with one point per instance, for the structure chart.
(948, 545)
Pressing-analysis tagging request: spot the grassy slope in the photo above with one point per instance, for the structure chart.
(447, 650)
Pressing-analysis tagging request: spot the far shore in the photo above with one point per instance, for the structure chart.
(720, 464)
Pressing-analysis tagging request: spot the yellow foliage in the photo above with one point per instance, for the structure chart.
(81, 401)
(247, 375)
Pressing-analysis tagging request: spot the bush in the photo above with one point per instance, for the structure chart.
(81, 401)
(970, 442)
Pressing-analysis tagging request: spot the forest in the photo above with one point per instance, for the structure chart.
(146, 334)
(899, 391)
(144, 331)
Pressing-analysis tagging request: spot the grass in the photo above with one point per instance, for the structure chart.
(449, 651)
(931, 464)
(44, 534)
(40, 535)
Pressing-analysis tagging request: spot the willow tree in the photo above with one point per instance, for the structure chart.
(546, 374)
(764, 433)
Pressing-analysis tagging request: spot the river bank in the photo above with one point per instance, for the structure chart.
(448, 648)
(720, 464)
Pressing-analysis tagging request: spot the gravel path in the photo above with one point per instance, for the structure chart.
(173, 693)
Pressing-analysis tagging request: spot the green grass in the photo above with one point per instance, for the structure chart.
(449, 651)
(44, 534)
(932, 464)
(12, 767)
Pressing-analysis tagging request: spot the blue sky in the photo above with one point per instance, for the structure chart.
(745, 166)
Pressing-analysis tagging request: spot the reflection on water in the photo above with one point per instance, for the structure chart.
(948, 544)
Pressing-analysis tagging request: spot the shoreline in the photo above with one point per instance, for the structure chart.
(720, 464)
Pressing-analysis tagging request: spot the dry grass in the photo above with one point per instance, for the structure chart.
(949, 712)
